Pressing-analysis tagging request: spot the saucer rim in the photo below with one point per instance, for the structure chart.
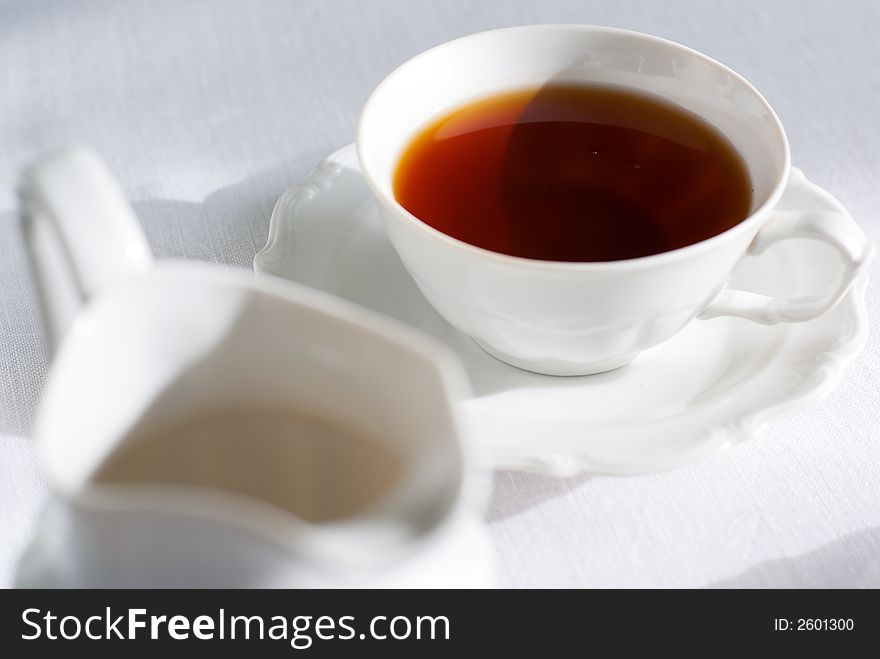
(817, 383)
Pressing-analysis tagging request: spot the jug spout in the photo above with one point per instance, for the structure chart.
(81, 234)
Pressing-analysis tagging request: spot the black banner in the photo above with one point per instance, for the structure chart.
(429, 623)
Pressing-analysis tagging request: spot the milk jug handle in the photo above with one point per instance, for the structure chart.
(81, 234)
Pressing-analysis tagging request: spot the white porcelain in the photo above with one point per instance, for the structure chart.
(143, 345)
(713, 384)
(579, 318)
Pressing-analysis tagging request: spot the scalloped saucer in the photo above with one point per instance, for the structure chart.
(715, 383)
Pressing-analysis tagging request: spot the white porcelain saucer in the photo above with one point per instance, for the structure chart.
(715, 383)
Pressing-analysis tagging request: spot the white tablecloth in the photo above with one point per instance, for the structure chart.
(207, 110)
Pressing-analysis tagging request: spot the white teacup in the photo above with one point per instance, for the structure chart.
(564, 318)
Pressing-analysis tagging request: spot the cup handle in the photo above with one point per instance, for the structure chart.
(80, 232)
(819, 216)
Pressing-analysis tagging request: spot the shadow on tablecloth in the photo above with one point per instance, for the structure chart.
(852, 561)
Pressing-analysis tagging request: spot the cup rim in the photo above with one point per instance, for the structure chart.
(669, 256)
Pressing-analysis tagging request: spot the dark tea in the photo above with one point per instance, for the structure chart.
(574, 173)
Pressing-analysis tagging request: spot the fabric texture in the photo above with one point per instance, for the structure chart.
(207, 109)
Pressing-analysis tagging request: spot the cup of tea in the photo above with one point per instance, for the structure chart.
(572, 195)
